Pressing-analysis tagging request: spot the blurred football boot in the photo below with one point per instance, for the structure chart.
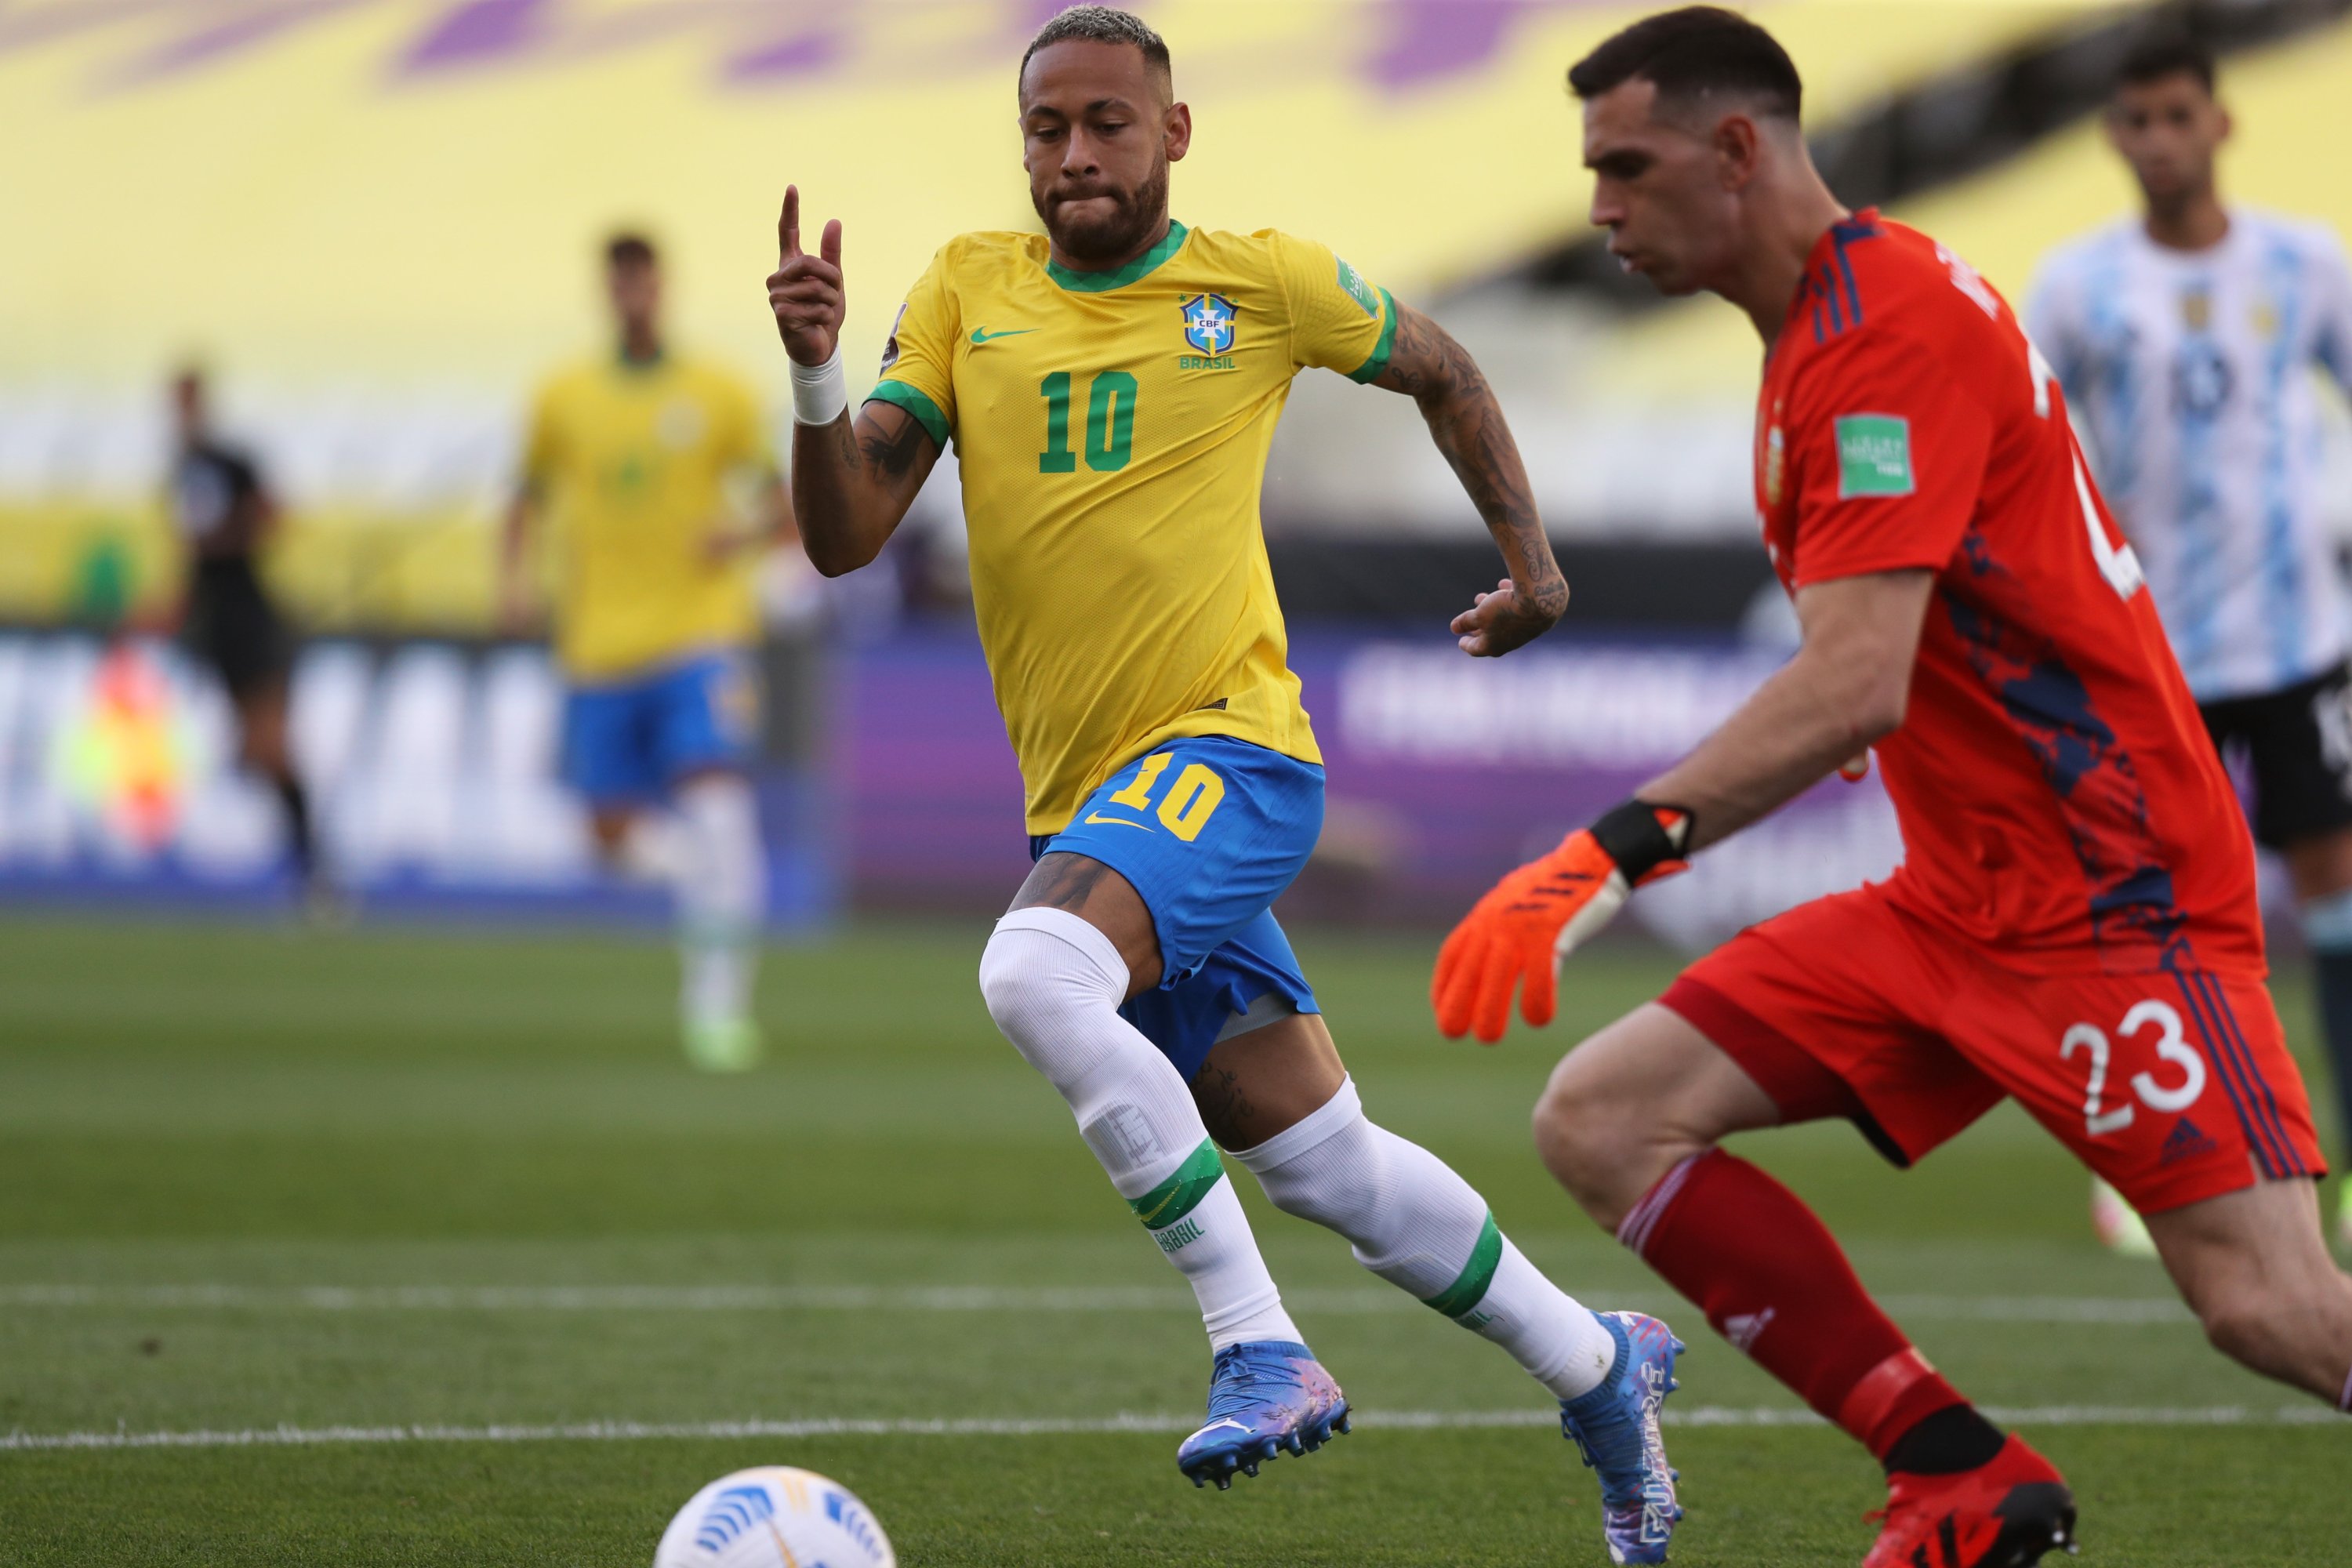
(2008, 1513)
(723, 1044)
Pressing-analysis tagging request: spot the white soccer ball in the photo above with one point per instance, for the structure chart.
(774, 1517)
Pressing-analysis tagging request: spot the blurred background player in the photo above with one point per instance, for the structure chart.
(2187, 340)
(2074, 920)
(631, 457)
(1110, 387)
(223, 513)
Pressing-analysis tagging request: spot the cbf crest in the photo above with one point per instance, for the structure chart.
(1209, 324)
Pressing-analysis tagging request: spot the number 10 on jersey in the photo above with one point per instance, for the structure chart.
(1110, 423)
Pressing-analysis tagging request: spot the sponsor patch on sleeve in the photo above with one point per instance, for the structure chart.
(890, 344)
(1873, 456)
(1361, 292)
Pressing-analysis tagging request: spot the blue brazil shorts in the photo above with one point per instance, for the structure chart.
(1210, 830)
(626, 742)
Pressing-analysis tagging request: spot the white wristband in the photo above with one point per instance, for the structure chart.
(820, 392)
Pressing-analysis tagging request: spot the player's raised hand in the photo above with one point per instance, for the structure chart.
(1514, 938)
(805, 290)
(1498, 622)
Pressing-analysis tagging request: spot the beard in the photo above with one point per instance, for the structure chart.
(1132, 223)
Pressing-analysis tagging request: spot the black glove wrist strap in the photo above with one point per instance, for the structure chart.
(1641, 836)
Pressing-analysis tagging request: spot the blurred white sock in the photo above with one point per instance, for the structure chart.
(720, 877)
(652, 850)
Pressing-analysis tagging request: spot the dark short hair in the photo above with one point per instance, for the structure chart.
(630, 249)
(1696, 51)
(2160, 55)
(1102, 25)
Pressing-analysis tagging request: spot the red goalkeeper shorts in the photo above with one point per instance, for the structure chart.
(2173, 1085)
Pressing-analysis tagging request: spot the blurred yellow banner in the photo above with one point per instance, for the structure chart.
(412, 188)
(379, 219)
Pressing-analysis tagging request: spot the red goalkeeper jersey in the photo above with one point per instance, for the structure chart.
(2059, 800)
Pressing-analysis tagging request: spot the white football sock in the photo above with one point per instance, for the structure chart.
(1053, 985)
(1420, 1226)
(652, 849)
(722, 883)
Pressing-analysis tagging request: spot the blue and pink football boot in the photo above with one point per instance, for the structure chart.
(1615, 1428)
(1267, 1397)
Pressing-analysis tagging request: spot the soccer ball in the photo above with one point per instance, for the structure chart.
(774, 1517)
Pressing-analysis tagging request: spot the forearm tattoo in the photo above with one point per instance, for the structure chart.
(1467, 422)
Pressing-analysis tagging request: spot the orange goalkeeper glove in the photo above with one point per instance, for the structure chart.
(1515, 937)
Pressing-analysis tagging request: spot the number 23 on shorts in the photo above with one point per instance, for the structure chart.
(1188, 803)
(2100, 1117)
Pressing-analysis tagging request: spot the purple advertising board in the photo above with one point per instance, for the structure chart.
(436, 772)
(433, 768)
(1443, 772)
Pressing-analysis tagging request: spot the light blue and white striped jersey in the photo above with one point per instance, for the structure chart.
(2190, 374)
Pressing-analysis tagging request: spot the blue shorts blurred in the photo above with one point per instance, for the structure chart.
(626, 742)
(1210, 830)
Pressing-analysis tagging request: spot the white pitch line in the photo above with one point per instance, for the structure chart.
(2098, 1309)
(1418, 1420)
(2104, 1309)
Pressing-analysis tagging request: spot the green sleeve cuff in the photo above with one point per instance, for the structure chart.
(1371, 369)
(927, 413)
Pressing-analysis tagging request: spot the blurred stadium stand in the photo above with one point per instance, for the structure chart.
(377, 221)
(1636, 415)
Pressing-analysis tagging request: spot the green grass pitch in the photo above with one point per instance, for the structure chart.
(448, 1209)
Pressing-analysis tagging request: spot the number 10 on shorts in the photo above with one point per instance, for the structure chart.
(2098, 1118)
(1190, 802)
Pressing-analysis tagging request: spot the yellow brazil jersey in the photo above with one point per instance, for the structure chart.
(1111, 430)
(634, 463)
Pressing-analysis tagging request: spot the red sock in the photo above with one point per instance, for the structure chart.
(1773, 1281)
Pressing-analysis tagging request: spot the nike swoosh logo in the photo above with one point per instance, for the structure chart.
(982, 335)
(1119, 821)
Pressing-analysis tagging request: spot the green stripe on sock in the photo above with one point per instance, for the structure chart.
(1180, 1193)
(1469, 1287)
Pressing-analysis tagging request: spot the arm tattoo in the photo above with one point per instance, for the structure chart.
(1467, 422)
(852, 480)
(894, 455)
(1410, 361)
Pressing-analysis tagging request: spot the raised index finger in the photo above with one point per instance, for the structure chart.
(788, 226)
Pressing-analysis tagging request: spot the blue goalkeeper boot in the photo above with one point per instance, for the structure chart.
(1615, 1428)
(1266, 1397)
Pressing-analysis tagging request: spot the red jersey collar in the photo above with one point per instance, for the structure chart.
(1827, 272)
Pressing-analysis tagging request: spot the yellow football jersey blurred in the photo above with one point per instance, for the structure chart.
(633, 463)
(1111, 430)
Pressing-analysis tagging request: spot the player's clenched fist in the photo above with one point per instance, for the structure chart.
(805, 290)
(1515, 937)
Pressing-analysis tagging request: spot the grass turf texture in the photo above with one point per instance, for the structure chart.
(261, 1113)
